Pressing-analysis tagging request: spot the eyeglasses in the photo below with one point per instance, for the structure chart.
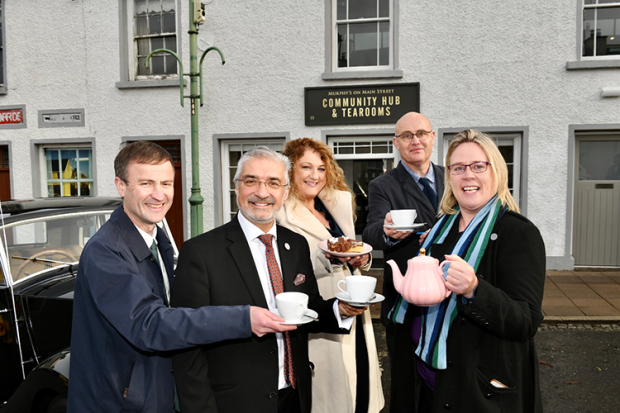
(476, 167)
(251, 182)
(408, 136)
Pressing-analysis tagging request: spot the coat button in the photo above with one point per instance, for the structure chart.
(446, 406)
(489, 395)
(450, 363)
(273, 395)
(272, 351)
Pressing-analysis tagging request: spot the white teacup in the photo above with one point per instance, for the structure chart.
(359, 287)
(292, 306)
(403, 217)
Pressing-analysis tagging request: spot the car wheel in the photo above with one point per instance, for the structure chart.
(58, 405)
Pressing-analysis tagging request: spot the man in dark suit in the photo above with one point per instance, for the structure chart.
(416, 183)
(232, 265)
(123, 329)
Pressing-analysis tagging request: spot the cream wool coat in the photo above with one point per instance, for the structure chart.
(334, 377)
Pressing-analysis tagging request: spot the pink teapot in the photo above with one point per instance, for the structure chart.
(423, 285)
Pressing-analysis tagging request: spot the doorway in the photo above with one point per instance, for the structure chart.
(596, 220)
(5, 174)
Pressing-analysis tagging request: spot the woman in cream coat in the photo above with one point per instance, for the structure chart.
(346, 378)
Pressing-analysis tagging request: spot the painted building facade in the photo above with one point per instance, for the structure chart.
(543, 78)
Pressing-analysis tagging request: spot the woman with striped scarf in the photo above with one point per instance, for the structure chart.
(475, 350)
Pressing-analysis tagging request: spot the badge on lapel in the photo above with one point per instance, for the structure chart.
(300, 279)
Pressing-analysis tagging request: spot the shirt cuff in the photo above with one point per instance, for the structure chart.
(342, 323)
(389, 241)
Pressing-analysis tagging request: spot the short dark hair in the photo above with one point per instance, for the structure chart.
(139, 152)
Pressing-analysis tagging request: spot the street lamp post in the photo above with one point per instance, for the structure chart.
(196, 17)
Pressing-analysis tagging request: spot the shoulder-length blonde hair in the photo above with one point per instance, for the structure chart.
(335, 180)
(497, 164)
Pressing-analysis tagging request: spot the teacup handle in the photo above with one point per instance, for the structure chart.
(340, 288)
(448, 292)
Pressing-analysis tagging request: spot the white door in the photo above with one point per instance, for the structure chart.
(596, 224)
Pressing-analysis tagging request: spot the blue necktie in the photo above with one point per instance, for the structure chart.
(429, 192)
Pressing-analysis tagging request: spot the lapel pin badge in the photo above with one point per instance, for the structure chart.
(288, 247)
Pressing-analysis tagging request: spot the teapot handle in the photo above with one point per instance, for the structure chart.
(448, 292)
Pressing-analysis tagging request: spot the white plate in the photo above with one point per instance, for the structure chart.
(376, 298)
(323, 247)
(304, 320)
(405, 228)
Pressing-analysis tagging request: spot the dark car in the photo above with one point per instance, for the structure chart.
(41, 242)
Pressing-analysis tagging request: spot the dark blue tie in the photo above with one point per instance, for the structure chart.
(429, 192)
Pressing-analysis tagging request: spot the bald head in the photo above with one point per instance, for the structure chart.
(412, 118)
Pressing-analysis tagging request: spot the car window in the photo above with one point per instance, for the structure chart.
(42, 243)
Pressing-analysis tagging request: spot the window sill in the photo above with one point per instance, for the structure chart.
(137, 84)
(365, 74)
(593, 64)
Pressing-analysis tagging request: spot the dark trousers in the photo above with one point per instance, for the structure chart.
(404, 378)
(288, 401)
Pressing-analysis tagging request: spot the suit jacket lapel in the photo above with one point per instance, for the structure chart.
(287, 262)
(242, 257)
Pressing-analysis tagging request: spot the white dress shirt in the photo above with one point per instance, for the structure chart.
(258, 249)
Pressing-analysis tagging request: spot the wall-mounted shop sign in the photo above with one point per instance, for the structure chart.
(12, 117)
(62, 118)
(360, 104)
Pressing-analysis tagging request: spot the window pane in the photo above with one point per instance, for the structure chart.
(141, 28)
(384, 8)
(157, 43)
(588, 32)
(157, 65)
(169, 25)
(341, 10)
(384, 43)
(608, 25)
(5, 157)
(154, 6)
(342, 45)
(599, 160)
(171, 64)
(53, 189)
(53, 168)
(139, 7)
(360, 9)
(155, 24)
(363, 44)
(168, 6)
(143, 47)
(171, 43)
(142, 70)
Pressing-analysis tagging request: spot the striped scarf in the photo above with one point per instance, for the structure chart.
(436, 320)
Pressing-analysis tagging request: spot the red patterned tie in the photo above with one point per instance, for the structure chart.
(278, 287)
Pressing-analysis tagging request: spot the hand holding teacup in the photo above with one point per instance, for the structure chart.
(399, 217)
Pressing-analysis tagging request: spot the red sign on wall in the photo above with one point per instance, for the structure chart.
(11, 116)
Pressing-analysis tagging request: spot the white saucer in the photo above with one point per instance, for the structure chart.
(304, 320)
(405, 228)
(375, 298)
(323, 247)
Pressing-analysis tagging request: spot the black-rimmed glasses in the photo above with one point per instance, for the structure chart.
(251, 182)
(476, 167)
(408, 136)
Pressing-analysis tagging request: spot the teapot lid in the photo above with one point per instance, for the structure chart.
(423, 257)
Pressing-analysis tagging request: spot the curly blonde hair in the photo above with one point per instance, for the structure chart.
(334, 174)
(497, 164)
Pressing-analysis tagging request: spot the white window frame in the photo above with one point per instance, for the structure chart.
(40, 163)
(128, 51)
(332, 71)
(595, 7)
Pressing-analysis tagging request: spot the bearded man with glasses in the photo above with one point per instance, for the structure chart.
(415, 183)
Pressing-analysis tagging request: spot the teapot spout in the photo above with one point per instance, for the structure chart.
(397, 276)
